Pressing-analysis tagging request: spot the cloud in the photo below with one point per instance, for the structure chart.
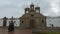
(55, 7)
(16, 7)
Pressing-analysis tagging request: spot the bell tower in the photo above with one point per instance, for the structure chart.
(26, 10)
(32, 6)
(37, 9)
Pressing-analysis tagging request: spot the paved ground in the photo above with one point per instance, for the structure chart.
(17, 31)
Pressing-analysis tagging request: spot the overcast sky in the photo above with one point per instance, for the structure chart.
(16, 8)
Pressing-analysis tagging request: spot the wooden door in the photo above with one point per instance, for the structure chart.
(32, 23)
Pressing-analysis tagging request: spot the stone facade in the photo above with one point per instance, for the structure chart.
(32, 18)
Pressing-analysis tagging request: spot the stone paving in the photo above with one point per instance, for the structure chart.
(17, 31)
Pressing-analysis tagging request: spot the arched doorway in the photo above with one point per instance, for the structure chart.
(32, 23)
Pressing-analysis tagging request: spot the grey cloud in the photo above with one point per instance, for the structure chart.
(16, 7)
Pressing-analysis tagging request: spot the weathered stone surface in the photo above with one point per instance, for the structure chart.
(16, 31)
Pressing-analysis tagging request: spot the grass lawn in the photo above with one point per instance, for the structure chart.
(48, 33)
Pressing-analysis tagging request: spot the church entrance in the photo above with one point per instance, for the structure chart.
(32, 23)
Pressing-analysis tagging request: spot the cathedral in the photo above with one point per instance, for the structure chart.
(32, 18)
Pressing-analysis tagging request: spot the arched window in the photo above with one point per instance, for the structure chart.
(32, 15)
(22, 21)
(42, 21)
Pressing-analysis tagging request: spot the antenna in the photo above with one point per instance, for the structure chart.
(27, 7)
(37, 5)
(32, 3)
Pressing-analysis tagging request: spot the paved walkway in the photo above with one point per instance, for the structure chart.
(17, 31)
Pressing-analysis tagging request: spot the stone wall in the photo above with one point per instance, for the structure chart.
(48, 29)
